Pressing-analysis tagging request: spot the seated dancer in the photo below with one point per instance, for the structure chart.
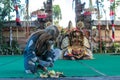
(38, 53)
(78, 46)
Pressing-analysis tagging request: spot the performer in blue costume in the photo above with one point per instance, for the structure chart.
(38, 52)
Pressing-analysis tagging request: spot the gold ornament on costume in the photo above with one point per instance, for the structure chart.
(80, 25)
(48, 23)
(70, 26)
(86, 42)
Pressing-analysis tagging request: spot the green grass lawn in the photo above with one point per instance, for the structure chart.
(102, 65)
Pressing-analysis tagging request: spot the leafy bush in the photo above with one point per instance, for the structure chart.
(5, 49)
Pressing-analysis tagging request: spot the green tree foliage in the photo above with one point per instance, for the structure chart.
(7, 6)
(115, 5)
(57, 13)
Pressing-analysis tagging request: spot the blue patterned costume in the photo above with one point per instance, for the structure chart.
(30, 57)
(29, 54)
